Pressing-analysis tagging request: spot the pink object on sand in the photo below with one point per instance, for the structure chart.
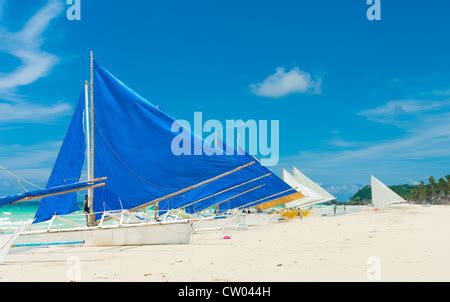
(227, 237)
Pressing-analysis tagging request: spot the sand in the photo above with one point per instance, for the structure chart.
(403, 243)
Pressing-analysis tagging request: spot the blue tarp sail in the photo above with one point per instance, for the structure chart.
(133, 140)
(67, 168)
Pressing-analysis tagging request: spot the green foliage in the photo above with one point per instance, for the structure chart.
(433, 192)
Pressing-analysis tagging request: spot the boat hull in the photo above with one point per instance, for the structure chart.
(258, 219)
(230, 222)
(125, 235)
(240, 221)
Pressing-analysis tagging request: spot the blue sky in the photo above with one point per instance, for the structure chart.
(353, 97)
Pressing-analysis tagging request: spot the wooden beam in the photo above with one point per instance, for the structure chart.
(61, 193)
(226, 190)
(259, 200)
(235, 196)
(191, 187)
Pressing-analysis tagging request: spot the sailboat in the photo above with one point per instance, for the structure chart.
(314, 193)
(310, 196)
(306, 181)
(382, 196)
(126, 142)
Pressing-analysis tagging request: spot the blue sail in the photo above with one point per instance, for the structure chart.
(133, 140)
(67, 168)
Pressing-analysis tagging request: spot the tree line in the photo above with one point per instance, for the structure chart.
(433, 192)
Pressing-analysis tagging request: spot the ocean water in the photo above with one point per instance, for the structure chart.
(328, 210)
(12, 216)
(15, 215)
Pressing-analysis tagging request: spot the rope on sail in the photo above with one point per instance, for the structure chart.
(17, 180)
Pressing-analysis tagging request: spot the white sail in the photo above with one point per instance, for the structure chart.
(304, 180)
(311, 197)
(382, 195)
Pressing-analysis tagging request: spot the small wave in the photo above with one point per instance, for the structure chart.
(10, 223)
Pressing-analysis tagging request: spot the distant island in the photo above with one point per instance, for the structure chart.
(434, 192)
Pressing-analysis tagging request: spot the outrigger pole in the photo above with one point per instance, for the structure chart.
(226, 190)
(268, 197)
(236, 196)
(156, 201)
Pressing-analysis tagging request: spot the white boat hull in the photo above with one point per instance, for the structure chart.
(230, 222)
(125, 235)
(239, 221)
(258, 219)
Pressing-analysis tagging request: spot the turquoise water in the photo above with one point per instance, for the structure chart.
(320, 210)
(13, 215)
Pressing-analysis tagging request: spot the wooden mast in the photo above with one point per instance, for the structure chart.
(90, 155)
(87, 124)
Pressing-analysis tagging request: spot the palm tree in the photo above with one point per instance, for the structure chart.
(442, 185)
(432, 191)
(415, 195)
(442, 188)
(422, 192)
(447, 178)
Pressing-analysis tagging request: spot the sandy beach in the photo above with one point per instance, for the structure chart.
(409, 243)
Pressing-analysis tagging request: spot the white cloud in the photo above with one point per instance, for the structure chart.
(35, 63)
(338, 142)
(24, 112)
(392, 111)
(25, 45)
(283, 83)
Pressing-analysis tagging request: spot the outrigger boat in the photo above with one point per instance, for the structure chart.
(127, 143)
(313, 193)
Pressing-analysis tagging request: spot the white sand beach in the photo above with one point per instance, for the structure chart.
(412, 243)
